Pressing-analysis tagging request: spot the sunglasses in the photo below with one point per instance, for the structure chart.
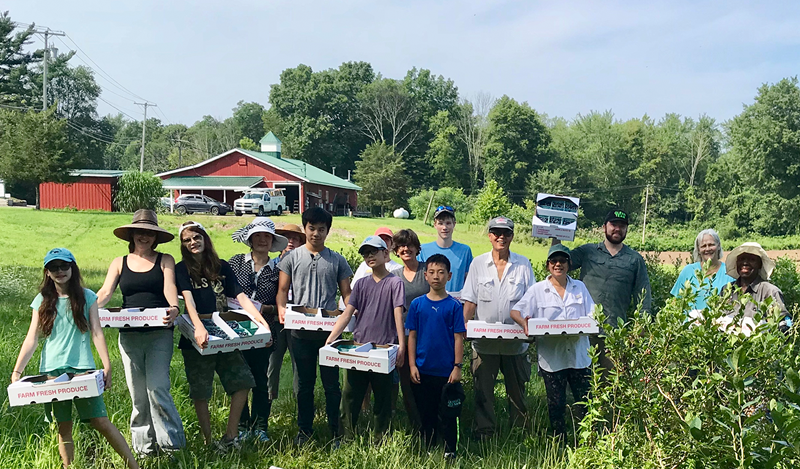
(446, 208)
(197, 238)
(558, 260)
(499, 233)
(53, 268)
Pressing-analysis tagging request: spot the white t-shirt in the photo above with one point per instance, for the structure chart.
(559, 352)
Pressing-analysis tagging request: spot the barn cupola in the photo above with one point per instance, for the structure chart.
(271, 145)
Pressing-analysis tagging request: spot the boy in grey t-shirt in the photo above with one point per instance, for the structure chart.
(377, 301)
(313, 273)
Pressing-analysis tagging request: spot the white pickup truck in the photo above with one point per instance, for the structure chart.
(261, 202)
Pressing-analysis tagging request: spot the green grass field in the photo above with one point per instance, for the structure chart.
(27, 441)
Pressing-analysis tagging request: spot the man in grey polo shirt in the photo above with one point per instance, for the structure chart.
(497, 281)
(313, 272)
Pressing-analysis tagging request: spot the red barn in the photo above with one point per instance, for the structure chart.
(93, 189)
(226, 176)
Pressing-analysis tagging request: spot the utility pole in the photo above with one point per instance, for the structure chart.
(46, 32)
(644, 221)
(144, 129)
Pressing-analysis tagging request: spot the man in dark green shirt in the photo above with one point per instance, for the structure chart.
(613, 273)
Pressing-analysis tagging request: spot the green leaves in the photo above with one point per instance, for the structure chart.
(139, 190)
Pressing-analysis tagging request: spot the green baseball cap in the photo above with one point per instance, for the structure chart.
(559, 249)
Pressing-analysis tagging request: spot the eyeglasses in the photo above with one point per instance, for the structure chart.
(196, 238)
(558, 260)
(446, 208)
(370, 252)
(59, 267)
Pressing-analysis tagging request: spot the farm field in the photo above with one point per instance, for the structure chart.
(27, 441)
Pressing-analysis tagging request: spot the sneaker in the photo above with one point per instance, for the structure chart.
(245, 435)
(301, 439)
(260, 436)
(226, 444)
(449, 457)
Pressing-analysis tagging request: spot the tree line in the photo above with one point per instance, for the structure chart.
(401, 137)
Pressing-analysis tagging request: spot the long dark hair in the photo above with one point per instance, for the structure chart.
(209, 265)
(77, 301)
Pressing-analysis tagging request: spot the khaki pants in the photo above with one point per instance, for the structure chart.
(516, 373)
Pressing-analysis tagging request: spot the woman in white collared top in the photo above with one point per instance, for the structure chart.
(563, 359)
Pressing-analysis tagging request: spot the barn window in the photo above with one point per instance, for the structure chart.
(242, 161)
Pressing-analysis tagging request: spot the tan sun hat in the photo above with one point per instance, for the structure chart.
(767, 264)
(291, 228)
(144, 219)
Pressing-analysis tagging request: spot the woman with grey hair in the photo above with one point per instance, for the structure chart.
(707, 256)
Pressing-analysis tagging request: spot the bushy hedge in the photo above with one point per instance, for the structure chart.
(686, 395)
(139, 190)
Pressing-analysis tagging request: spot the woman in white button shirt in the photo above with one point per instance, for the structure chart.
(563, 359)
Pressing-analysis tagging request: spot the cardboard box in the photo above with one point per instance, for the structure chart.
(260, 337)
(582, 325)
(351, 355)
(234, 304)
(40, 389)
(121, 318)
(556, 217)
(492, 330)
(312, 319)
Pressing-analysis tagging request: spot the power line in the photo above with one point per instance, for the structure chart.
(118, 84)
(115, 107)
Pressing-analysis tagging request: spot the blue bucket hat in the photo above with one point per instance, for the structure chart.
(59, 254)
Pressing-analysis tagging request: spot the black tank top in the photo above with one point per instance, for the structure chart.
(143, 289)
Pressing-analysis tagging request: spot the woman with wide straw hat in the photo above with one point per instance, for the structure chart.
(750, 265)
(147, 280)
(258, 274)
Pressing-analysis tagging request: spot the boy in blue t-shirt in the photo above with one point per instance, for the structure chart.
(459, 255)
(435, 351)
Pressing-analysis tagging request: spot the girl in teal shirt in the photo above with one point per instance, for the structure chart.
(707, 248)
(65, 314)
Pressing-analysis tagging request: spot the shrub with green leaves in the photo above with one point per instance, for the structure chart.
(684, 394)
(491, 202)
(139, 190)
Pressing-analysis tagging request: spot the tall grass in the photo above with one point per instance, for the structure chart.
(27, 441)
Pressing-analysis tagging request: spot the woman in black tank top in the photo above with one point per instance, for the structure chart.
(147, 280)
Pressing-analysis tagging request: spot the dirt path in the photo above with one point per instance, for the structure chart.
(685, 257)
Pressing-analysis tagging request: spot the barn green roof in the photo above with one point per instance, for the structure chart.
(302, 170)
(211, 182)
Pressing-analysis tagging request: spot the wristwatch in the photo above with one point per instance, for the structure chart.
(458, 365)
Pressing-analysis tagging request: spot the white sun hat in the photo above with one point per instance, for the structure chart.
(767, 264)
(261, 225)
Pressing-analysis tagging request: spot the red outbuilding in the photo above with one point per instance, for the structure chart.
(93, 189)
(224, 177)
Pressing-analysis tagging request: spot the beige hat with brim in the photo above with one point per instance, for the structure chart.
(144, 219)
(289, 229)
(767, 264)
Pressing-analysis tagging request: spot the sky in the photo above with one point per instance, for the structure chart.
(562, 57)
